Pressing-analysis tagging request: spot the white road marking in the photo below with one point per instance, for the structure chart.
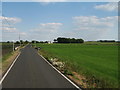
(9, 69)
(61, 73)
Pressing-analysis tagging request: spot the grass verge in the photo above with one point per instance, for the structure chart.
(8, 59)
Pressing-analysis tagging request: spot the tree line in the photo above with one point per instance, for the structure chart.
(58, 40)
(106, 41)
(19, 42)
(25, 42)
(68, 40)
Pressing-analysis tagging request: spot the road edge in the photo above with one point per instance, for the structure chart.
(61, 73)
(10, 67)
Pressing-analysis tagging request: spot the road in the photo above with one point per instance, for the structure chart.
(32, 71)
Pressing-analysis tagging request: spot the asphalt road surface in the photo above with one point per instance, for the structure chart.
(31, 71)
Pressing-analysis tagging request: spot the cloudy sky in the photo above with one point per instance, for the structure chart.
(49, 20)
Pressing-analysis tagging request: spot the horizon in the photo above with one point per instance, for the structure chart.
(53, 40)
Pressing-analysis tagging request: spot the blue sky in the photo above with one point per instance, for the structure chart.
(47, 21)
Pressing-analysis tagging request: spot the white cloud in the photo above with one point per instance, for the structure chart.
(23, 33)
(48, 27)
(7, 29)
(8, 24)
(93, 27)
(46, 2)
(50, 0)
(113, 6)
(51, 24)
(12, 20)
(94, 23)
(46, 31)
(86, 27)
(9, 35)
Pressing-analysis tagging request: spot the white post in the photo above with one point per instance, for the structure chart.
(13, 45)
(20, 43)
(19, 39)
(35, 43)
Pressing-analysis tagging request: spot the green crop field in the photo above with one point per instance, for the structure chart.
(99, 61)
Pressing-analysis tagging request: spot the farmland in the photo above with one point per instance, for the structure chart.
(7, 55)
(7, 49)
(91, 60)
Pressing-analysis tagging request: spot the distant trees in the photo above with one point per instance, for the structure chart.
(17, 42)
(8, 41)
(68, 40)
(21, 42)
(106, 41)
(34, 41)
(26, 42)
(55, 40)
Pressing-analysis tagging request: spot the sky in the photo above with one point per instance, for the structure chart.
(60, 1)
(48, 20)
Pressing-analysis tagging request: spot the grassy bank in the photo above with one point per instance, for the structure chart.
(99, 63)
(8, 55)
(8, 59)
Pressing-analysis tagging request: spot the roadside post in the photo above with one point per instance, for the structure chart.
(13, 46)
(35, 43)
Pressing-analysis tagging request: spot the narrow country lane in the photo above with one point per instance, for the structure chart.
(31, 71)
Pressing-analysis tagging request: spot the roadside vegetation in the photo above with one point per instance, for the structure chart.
(6, 53)
(96, 63)
(7, 48)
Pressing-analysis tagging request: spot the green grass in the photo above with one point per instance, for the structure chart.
(98, 61)
(101, 43)
(6, 51)
(6, 56)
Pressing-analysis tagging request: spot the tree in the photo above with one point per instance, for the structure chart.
(8, 41)
(55, 40)
(37, 41)
(46, 42)
(69, 40)
(106, 41)
(80, 41)
(21, 41)
(26, 42)
(41, 42)
(33, 41)
(17, 42)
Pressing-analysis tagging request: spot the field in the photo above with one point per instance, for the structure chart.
(6, 50)
(96, 61)
(7, 55)
(0, 50)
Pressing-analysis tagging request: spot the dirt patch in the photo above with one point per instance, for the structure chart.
(79, 79)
